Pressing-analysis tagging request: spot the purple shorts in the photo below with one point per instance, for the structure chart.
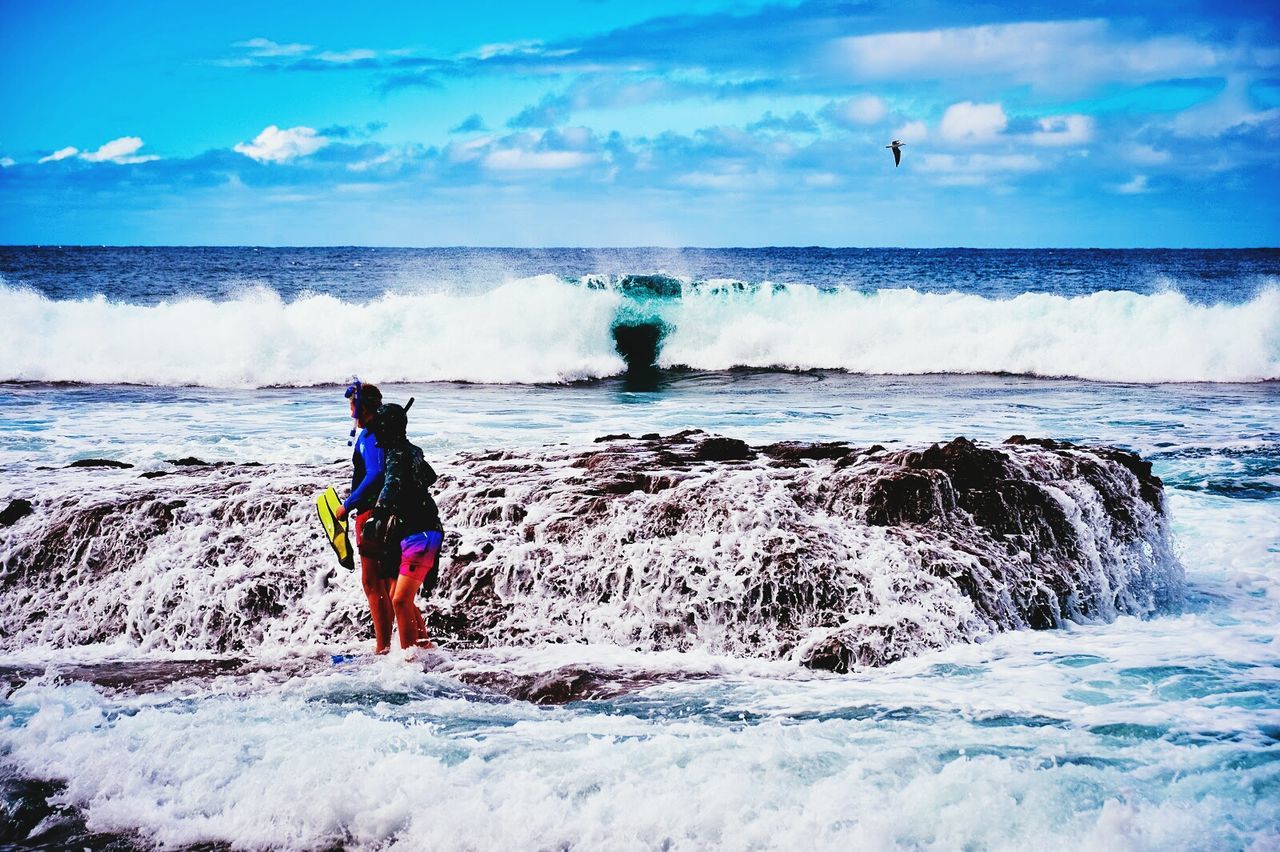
(420, 554)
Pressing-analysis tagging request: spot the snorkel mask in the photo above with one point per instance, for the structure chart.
(353, 392)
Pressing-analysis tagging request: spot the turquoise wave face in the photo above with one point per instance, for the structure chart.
(641, 322)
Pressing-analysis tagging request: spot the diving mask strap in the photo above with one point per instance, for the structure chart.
(353, 390)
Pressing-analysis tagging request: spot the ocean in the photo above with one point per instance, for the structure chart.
(819, 633)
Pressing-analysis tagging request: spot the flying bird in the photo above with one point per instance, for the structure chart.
(897, 152)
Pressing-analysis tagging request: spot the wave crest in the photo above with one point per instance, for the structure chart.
(545, 329)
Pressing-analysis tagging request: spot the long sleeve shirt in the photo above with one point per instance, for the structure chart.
(370, 468)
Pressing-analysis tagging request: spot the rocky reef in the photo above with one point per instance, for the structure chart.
(829, 555)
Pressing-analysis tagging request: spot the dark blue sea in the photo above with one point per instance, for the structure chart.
(146, 275)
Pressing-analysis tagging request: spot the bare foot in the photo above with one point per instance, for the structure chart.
(382, 652)
(420, 653)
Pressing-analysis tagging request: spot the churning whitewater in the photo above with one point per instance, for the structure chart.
(547, 329)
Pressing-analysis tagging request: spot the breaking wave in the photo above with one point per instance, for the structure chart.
(547, 329)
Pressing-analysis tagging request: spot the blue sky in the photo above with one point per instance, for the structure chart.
(591, 122)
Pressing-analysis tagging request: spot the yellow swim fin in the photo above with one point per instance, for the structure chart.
(327, 505)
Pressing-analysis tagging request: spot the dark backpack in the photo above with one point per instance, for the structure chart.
(405, 506)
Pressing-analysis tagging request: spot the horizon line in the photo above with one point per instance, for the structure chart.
(629, 247)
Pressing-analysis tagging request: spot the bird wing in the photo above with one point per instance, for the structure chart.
(897, 156)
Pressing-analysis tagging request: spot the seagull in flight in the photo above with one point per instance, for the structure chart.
(897, 152)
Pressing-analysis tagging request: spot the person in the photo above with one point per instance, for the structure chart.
(407, 516)
(376, 575)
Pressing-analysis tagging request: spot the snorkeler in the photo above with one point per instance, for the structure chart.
(407, 519)
(377, 572)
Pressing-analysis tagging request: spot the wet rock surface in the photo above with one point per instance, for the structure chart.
(491, 678)
(566, 684)
(830, 555)
(112, 463)
(16, 509)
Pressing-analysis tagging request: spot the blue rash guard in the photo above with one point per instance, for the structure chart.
(366, 483)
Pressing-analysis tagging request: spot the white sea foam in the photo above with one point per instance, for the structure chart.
(534, 330)
(386, 755)
(1108, 336)
(544, 329)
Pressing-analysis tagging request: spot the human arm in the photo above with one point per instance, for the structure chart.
(374, 465)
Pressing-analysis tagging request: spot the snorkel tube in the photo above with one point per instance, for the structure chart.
(353, 390)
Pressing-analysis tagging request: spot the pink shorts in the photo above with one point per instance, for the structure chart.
(372, 561)
(420, 554)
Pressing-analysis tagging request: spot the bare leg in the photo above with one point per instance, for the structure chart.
(388, 612)
(376, 590)
(378, 593)
(408, 617)
(423, 641)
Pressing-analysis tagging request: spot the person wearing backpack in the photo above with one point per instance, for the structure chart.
(377, 576)
(406, 515)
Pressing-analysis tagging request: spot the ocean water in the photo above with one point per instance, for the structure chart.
(1152, 732)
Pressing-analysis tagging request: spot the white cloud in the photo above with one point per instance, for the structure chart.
(274, 145)
(518, 159)
(738, 180)
(976, 169)
(980, 163)
(60, 154)
(867, 109)
(626, 95)
(291, 197)
(1052, 53)
(1056, 130)
(120, 151)
(1136, 186)
(266, 48)
(488, 51)
(530, 151)
(578, 138)
(374, 162)
(912, 131)
(468, 150)
(1228, 111)
(6, 162)
(1145, 155)
(970, 122)
(346, 56)
(822, 179)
